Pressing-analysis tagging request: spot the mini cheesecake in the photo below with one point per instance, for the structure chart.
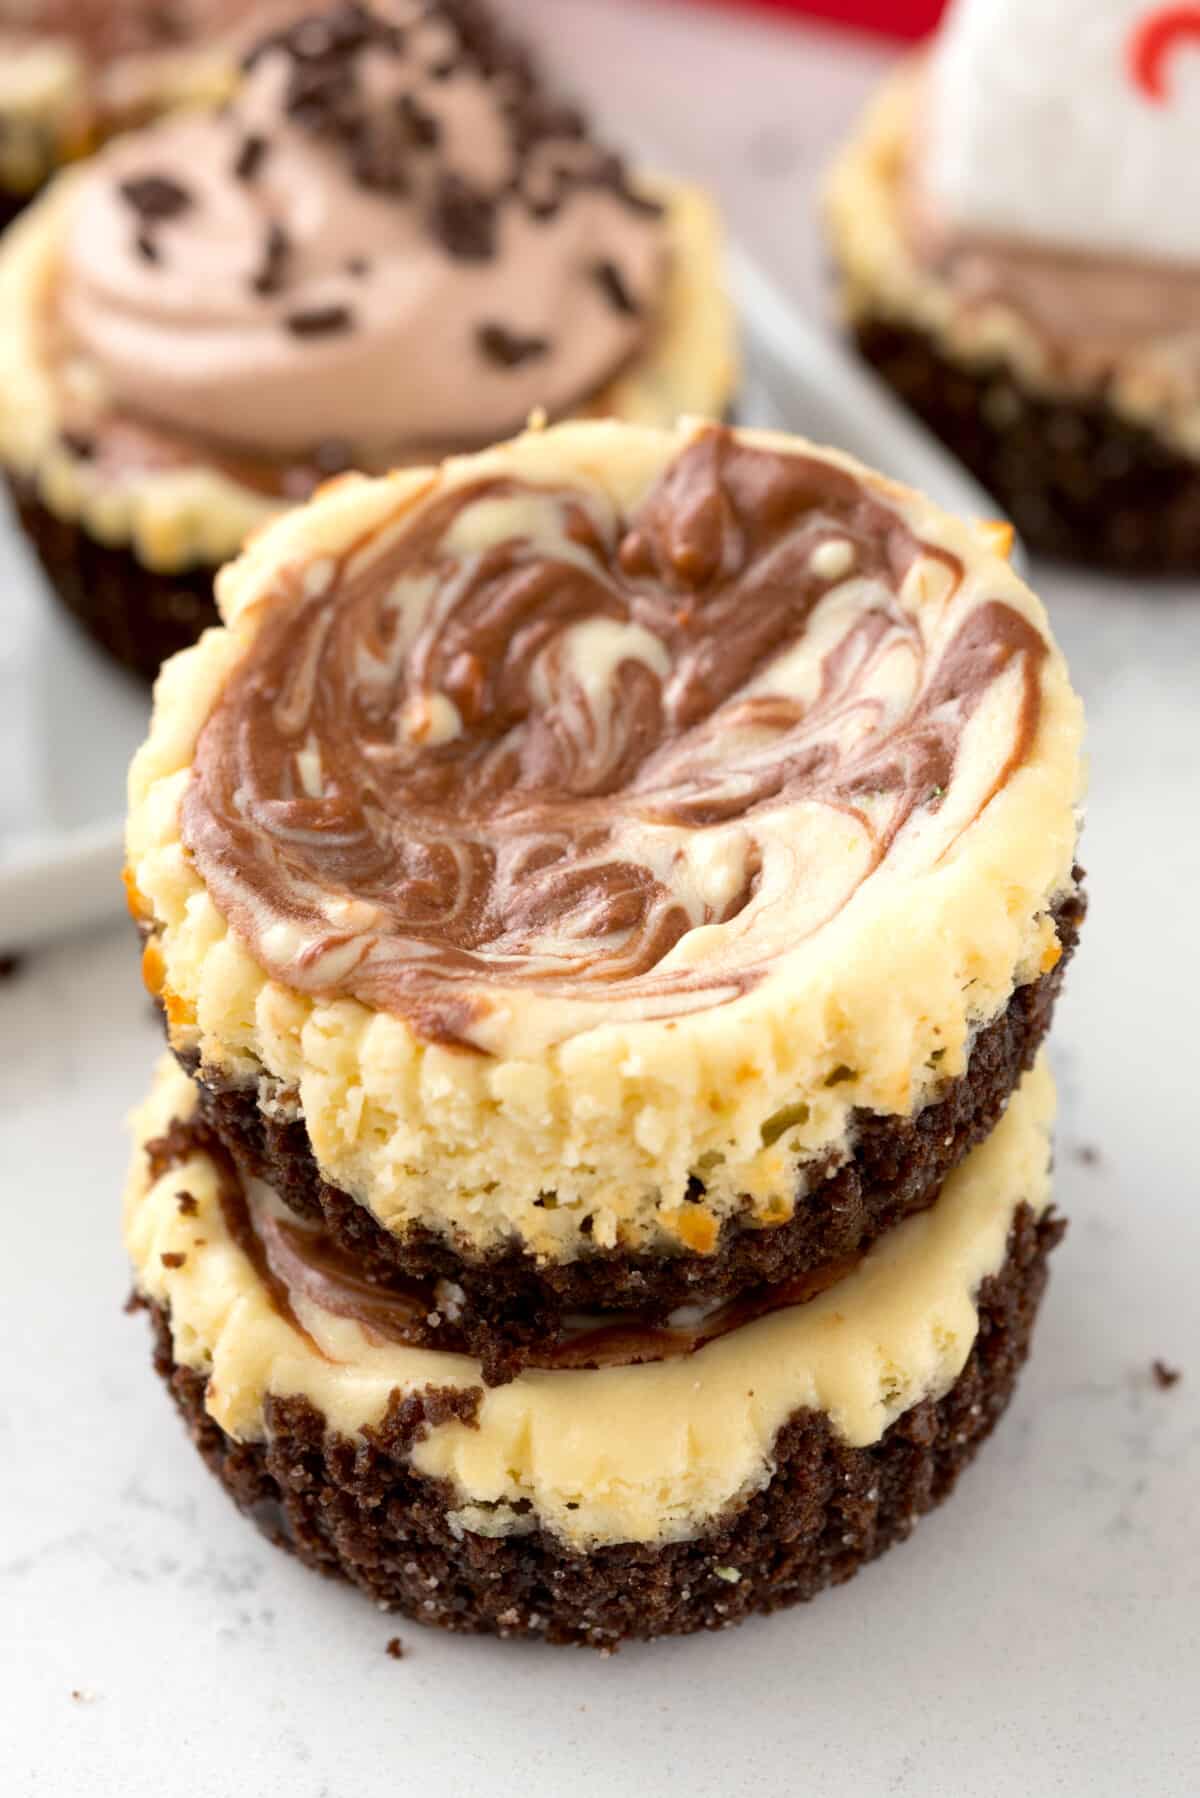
(1065, 378)
(391, 243)
(596, 1497)
(73, 72)
(606, 879)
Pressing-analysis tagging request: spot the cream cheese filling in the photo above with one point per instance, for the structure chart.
(629, 1454)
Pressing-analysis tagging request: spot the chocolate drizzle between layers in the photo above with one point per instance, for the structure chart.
(301, 1261)
(511, 1308)
(519, 845)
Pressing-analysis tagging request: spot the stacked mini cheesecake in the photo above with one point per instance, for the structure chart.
(607, 895)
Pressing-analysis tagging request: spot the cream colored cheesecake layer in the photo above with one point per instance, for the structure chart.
(635, 1453)
(199, 515)
(630, 1454)
(876, 1008)
(1152, 384)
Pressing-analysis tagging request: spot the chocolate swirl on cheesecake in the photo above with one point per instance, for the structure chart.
(522, 744)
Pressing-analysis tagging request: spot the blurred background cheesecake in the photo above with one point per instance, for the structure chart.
(74, 71)
(392, 242)
(1014, 226)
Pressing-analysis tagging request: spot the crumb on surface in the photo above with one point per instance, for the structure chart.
(10, 963)
(1165, 1376)
(173, 1258)
(395, 1649)
(1087, 1154)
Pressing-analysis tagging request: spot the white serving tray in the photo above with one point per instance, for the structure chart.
(69, 721)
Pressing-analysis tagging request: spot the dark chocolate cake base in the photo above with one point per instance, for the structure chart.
(355, 1508)
(513, 1306)
(138, 616)
(1078, 481)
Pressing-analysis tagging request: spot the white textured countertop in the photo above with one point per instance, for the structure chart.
(1040, 1635)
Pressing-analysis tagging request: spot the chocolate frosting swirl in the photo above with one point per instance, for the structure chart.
(393, 241)
(525, 745)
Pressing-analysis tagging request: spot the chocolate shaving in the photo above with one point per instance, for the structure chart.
(250, 157)
(463, 220)
(611, 283)
(320, 321)
(534, 118)
(270, 277)
(508, 348)
(380, 152)
(324, 98)
(611, 174)
(339, 33)
(423, 129)
(156, 197)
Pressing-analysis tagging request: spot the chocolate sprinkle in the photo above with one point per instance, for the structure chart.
(276, 250)
(146, 247)
(508, 348)
(320, 321)
(156, 197)
(463, 220)
(380, 157)
(250, 156)
(611, 283)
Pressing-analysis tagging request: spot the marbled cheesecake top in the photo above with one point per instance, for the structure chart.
(577, 834)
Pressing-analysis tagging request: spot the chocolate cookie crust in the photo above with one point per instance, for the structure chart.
(1078, 481)
(138, 615)
(355, 1508)
(513, 1307)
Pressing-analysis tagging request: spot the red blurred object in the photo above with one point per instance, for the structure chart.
(894, 18)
